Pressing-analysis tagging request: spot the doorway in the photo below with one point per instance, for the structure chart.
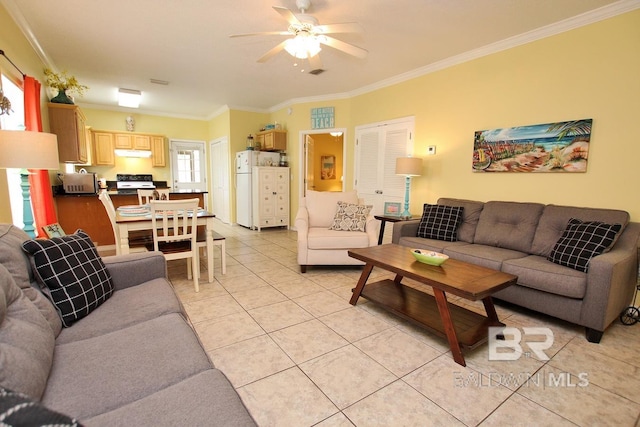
(220, 187)
(322, 155)
(187, 165)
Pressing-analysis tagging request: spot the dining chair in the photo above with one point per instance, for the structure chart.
(146, 195)
(138, 240)
(218, 240)
(175, 232)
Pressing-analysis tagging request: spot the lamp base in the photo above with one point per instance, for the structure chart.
(406, 214)
(27, 212)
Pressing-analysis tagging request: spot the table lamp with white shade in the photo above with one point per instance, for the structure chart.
(408, 166)
(28, 150)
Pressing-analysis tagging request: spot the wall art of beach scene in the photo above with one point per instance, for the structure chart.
(550, 147)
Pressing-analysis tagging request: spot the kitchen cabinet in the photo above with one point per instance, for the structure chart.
(272, 140)
(270, 197)
(158, 156)
(68, 123)
(103, 143)
(122, 141)
(131, 141)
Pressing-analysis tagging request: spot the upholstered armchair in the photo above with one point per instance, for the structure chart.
(318, 243)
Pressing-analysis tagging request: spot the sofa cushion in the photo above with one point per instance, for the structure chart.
(554, 219)
(323, 238)
(17, 409)
(26, 341)
(17, 262)
(440, 222)
(429, 244)
(95, 375)
(125, 308)
(483, 255)
(470, 216)
(205, 399)
(536, 272)
(581, 241)
(509, 225)
(71, 270)
(350, 217)
(322, 205)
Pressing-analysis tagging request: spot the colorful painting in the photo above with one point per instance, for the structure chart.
(550, 147)
(328, 167)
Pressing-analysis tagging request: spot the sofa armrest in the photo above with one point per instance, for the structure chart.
(301, 224)
(404, 228)
(134, 269)
(611, 280)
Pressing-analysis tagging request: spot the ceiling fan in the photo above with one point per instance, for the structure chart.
(308, 35)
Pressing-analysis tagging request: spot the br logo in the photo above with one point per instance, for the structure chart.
(505, 343)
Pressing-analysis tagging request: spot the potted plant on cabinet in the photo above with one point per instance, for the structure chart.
(63, 83)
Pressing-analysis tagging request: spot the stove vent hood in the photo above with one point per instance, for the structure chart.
(133, 153)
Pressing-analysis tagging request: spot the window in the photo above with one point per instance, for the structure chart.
(14, 120)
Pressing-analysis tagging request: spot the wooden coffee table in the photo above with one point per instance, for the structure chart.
(462, 328)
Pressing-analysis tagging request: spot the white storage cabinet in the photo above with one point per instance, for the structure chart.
(270, 197)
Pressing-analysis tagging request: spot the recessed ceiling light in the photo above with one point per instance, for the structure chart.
(129, 98)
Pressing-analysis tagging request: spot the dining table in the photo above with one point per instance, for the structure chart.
(126, 222)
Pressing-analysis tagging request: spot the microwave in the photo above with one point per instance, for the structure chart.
(80, 183)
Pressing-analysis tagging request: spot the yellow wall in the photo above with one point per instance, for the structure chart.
(589, 72)
(327, 145)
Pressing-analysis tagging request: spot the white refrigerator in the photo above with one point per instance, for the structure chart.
(245, 161)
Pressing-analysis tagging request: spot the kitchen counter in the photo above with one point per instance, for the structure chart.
(86, 212)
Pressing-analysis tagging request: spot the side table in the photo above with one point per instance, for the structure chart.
(385, 218)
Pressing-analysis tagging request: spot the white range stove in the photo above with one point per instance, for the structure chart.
(130, 183)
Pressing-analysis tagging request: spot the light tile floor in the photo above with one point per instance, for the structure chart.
(300, 355)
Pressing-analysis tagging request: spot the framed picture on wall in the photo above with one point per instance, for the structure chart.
(328, 164)
(392, 209)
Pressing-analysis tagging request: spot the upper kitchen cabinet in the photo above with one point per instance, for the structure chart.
(103, 143)
(132, 141)
(158, 157)
(68, 123)
(272, 140)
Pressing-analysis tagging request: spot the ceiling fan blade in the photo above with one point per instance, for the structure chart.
(347, 27)
(273, 52)
(344, 46)
(265, 33)
(315, 63)
(286, 14)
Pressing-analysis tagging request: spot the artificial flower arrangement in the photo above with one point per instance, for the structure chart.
(63, 83)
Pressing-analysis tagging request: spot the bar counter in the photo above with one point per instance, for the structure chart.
(85, 211)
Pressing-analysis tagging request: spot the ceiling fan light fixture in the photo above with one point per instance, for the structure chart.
(302, 46)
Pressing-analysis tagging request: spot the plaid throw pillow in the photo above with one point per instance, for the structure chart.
(350, 217)
(17, 409)
(440, 222)
(581, 241)
(70, 270)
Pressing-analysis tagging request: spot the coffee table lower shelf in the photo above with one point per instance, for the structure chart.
(421, 308)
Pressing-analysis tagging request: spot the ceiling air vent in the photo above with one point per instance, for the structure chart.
(317, 71)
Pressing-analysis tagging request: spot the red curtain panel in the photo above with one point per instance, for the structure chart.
(44, 211)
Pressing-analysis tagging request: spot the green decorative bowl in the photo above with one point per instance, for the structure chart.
(429, 257)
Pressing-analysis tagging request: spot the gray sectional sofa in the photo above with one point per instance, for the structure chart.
(518, 238)
(133, 360)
